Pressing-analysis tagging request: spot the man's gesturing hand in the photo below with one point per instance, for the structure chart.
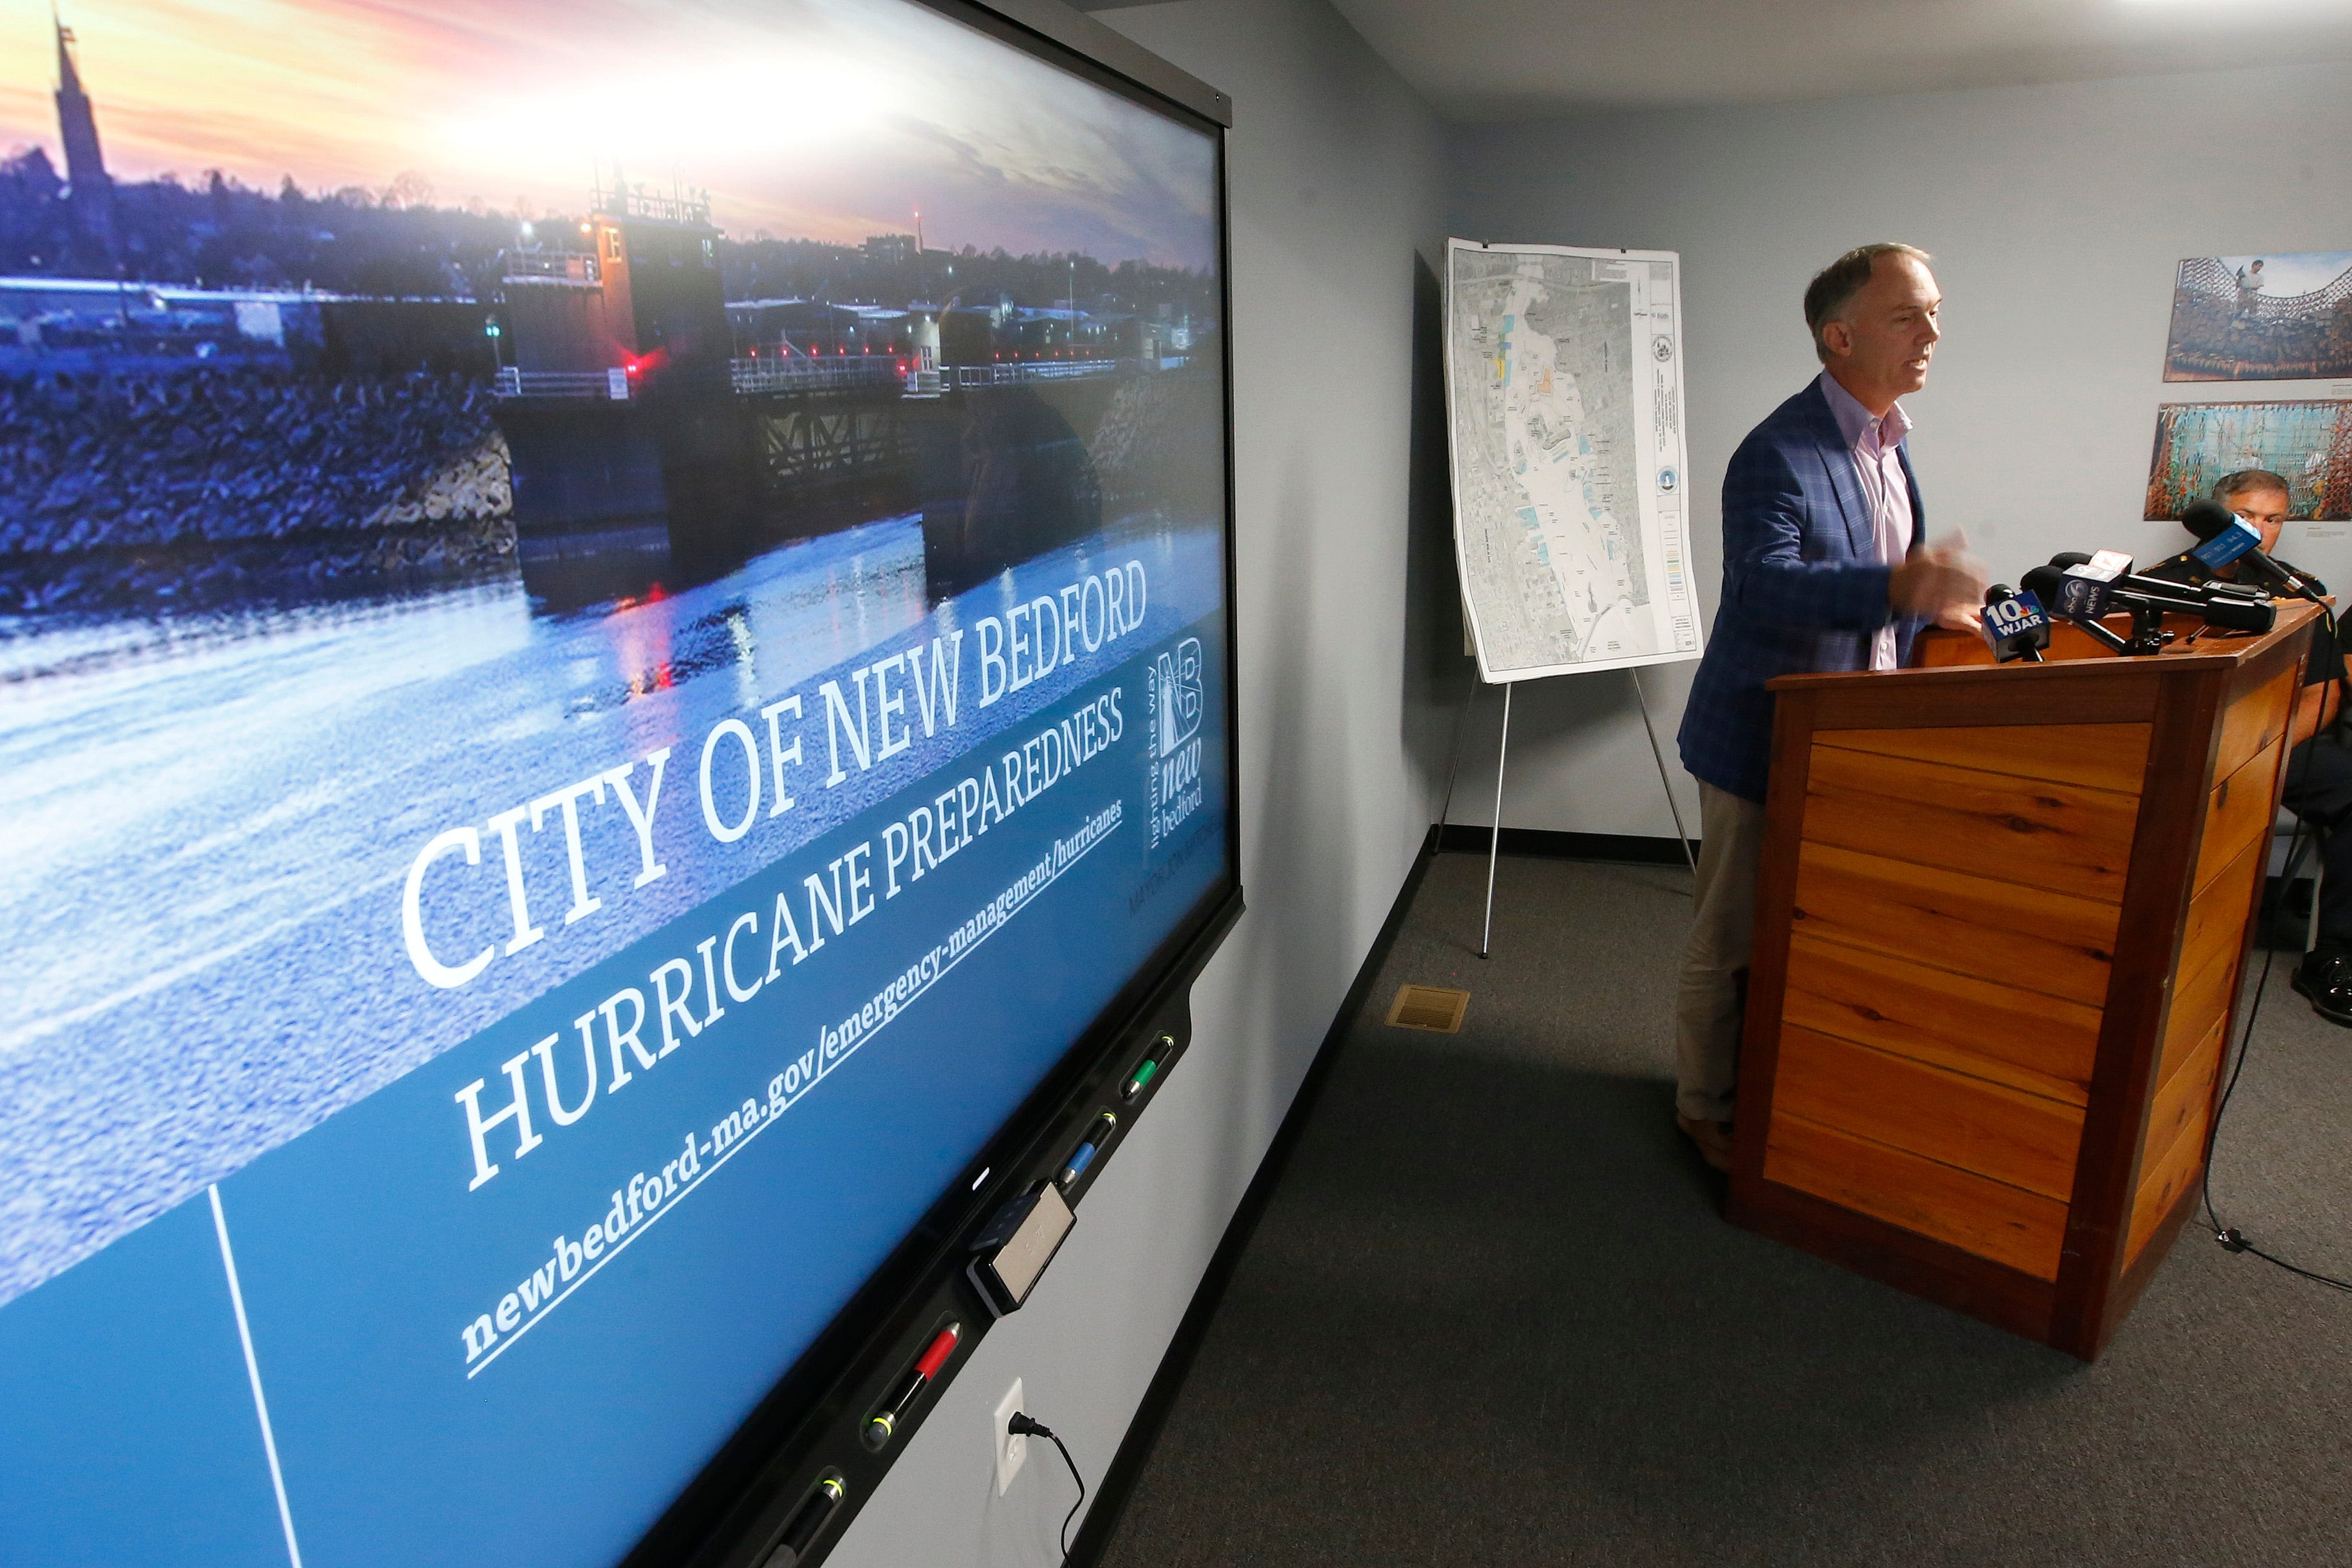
(1940, 582)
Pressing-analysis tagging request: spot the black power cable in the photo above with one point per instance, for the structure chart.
(1024, 1426)
(2231, 1238)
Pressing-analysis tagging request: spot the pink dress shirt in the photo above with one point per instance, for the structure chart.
(1873, 443)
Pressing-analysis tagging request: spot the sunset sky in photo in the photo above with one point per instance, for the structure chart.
(830, 120)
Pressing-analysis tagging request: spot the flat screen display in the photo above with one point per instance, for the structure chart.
(613, 642)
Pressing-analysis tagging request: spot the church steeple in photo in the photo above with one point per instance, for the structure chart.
(89, 186)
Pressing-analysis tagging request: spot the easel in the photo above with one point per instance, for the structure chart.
(1502, 756)
(1664, 312)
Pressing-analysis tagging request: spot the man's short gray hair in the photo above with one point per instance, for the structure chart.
(2247, 481)
(1835, 287)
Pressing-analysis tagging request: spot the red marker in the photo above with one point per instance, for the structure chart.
(884, 1422)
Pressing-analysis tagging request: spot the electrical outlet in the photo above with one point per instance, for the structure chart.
(1012, 1450)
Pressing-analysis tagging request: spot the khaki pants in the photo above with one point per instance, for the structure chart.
(1712, 990)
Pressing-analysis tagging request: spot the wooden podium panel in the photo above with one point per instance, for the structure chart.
(2002, 917)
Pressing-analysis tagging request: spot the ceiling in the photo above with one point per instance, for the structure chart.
(1506, 59)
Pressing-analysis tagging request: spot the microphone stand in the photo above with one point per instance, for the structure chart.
(2098, 633)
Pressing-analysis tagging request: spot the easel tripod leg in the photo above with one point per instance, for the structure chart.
(1494, 844)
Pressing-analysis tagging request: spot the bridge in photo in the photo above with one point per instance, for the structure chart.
(2224, 330)
(621, 482)
(660, 433)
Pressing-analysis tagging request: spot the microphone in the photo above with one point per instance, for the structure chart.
(2084, 583)
(2049, 585)
(2014, 625)
(2205, 585)
(2089, 586)
(2224, 537)
(2206, 518)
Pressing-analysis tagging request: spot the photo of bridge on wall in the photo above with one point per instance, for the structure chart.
(2262, 318)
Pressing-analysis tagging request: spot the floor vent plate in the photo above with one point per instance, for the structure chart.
(1431, 1007)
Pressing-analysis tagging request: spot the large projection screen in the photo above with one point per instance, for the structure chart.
(614, 654)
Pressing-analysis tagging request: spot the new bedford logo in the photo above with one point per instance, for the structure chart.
(1181, 700)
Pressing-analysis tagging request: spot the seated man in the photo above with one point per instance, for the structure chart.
(2318, 771)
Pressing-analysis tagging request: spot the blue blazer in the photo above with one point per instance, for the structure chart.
(1802, 590)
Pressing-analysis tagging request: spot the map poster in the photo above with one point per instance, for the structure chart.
(1564, 392)
(2307, 443)
(2262, 318)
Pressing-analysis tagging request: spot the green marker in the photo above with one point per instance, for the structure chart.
(1149, 1068)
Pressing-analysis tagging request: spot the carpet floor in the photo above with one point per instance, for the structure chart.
(1491, 1315)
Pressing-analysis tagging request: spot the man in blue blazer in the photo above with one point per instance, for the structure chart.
(1825, 567)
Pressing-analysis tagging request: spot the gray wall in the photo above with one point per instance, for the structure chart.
(2057, 214)
(1338, 207)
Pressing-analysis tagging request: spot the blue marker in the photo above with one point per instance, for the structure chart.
(1084, 1154)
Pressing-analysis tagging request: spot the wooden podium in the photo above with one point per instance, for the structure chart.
(2001, 923)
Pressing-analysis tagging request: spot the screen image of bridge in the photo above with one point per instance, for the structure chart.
(217, 396)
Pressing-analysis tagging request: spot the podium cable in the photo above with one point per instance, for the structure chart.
(2231, 1238)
